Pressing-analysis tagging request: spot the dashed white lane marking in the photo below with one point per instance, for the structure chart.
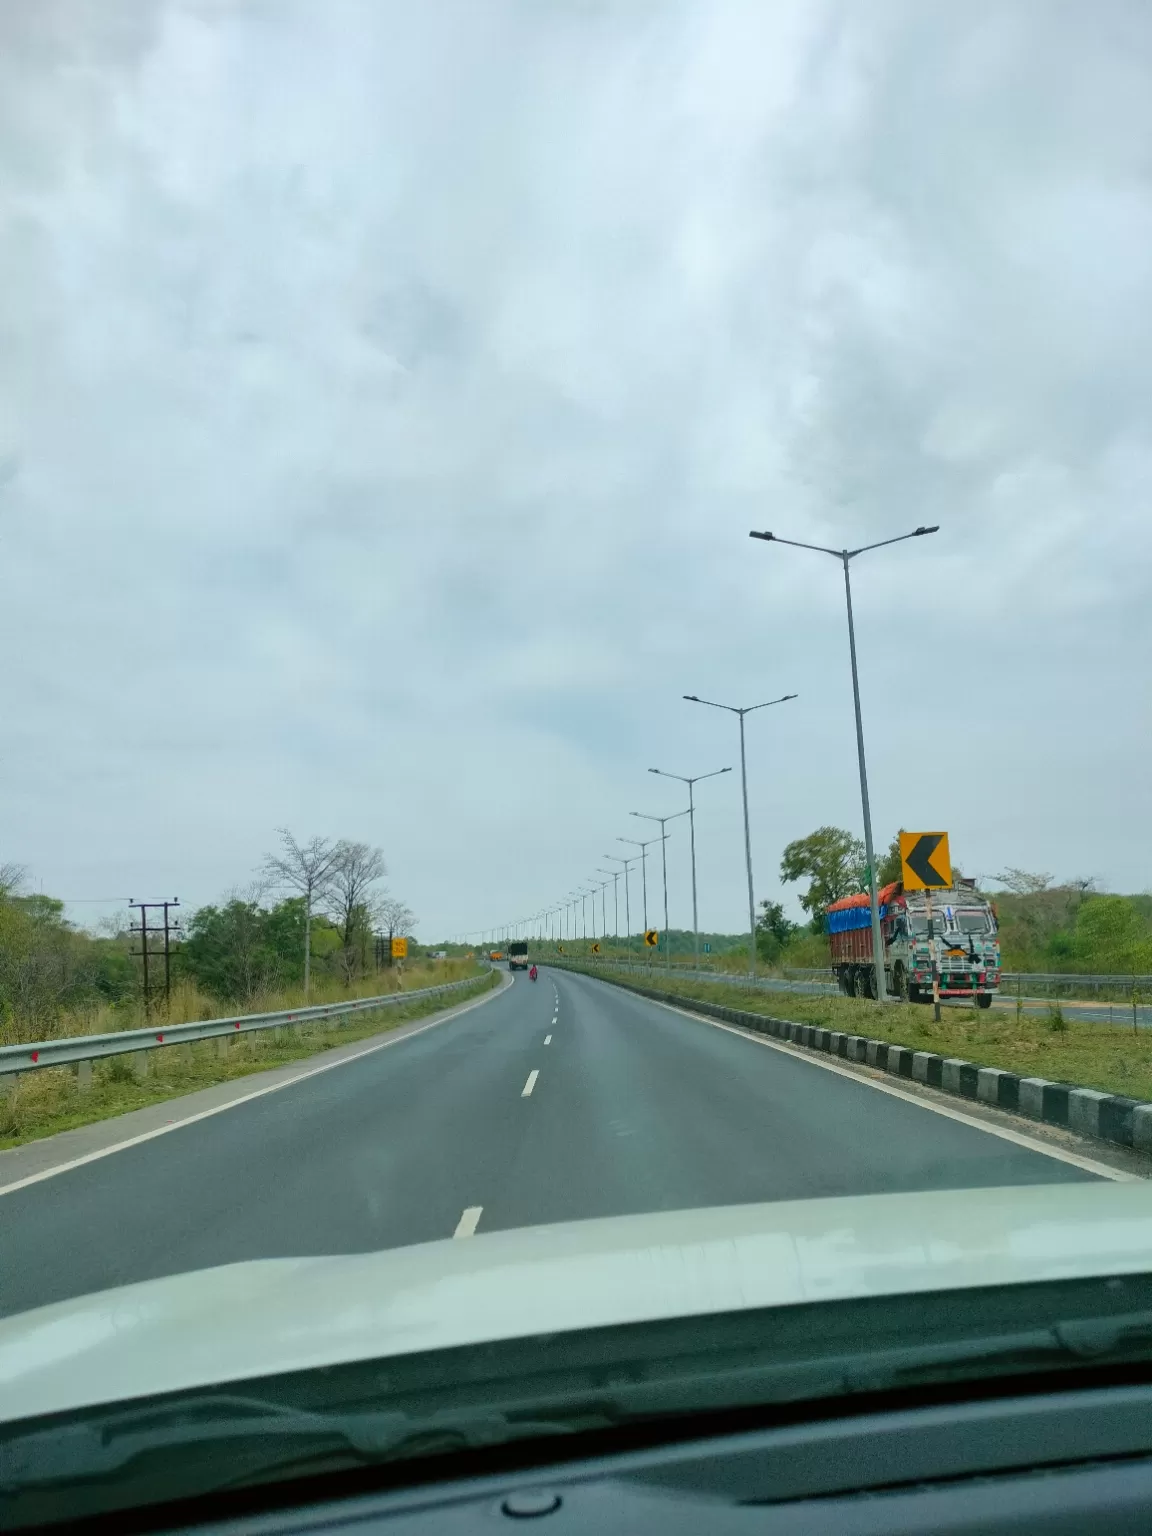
(547, 1039)
(467, 1223)
(526, 1091)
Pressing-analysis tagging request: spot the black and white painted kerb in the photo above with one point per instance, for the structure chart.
(1085, 1111)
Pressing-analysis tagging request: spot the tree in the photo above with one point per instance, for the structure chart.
(1021, 883)
(891, 866)
(1112, 936)
(832, 861)
(227, 951)
(393, 916)
(307, 868)
(773, 930)
(356, 869)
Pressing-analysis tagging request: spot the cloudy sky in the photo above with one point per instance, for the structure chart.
(387, 391)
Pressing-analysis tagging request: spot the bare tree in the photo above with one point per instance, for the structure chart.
(394, 916)
(309, 869)
(1022, 883)
(11, 879)
(356, 870)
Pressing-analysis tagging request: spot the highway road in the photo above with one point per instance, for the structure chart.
(556, 1100)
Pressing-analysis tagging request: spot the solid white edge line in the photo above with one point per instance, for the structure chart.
(259, 1093)
(466, 1226)
(526, 1091)
(799, 1053)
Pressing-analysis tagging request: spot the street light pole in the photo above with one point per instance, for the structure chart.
(615, 873)
(845, 556)
(696, 779)
(643, 847)
(740, 713)
(627, 863)
(644, 816)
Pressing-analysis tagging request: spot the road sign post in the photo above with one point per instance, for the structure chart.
(926, 865)
(925, 861)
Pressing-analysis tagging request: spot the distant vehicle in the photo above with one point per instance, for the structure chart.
(437, 954)
(495, 954)
(518, 956)
(963, 943)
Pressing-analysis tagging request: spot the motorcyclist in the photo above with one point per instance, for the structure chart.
(532, 974)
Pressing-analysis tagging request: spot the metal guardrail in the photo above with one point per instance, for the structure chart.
(36, 1055)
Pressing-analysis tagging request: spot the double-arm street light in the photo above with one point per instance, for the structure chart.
(748, 709)
(614, 858)
(644, 816)
(846, 556)
(643, 847)
(615, 874)
(695, 779)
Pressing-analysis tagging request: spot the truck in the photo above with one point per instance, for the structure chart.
(950, 935)
(518, 956)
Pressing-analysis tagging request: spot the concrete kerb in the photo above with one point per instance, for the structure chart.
(1087, 1112)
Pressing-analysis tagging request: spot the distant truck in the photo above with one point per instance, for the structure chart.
(963, 943)
(518, 956)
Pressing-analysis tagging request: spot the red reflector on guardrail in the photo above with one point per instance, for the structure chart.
(35, 1055)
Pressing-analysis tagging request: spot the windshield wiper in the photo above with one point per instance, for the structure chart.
(232, 1440)
(1097, 1341)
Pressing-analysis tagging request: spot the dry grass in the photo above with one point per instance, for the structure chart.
(43, 1103)
(189, 1004)
(1112, 1059)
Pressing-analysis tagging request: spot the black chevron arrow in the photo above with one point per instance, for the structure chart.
(919, 859)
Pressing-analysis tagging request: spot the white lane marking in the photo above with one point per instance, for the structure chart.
(259, 1093)
(547, 1039)
(799, 1053)
(526, 1091)
(467, 1223)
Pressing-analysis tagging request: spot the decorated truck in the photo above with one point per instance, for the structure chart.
(950, 933)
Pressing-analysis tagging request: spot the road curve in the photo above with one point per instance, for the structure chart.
(558, 1100)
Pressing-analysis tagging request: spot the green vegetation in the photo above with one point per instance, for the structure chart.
(42, 1103)
(1091, 1055)
(57, 980)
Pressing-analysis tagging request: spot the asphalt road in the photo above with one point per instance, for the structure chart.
(558, 1100)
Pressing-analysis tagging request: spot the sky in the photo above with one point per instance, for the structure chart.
(387, 393)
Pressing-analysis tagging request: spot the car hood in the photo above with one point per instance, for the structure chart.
(247, 1320)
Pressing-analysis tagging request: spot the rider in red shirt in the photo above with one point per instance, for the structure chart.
(532, 974)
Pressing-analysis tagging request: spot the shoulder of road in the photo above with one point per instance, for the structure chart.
(54, 1154)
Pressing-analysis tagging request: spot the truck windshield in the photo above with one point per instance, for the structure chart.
(973, 922)
(967, 922)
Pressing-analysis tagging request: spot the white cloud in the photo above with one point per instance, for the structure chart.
(389, 391)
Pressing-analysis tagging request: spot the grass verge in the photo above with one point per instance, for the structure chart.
(44, 1103)
(1038, 1044)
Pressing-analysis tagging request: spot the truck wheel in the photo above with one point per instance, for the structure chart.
(984, 1000)
(900, 981)
(844, 980)
(859, 983)
(914, 994)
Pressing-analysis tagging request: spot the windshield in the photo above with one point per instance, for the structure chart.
(480, 486)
